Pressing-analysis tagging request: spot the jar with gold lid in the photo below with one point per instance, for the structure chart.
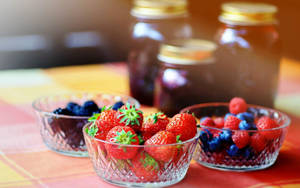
(186, 75)
(249, 52)
(153, 22)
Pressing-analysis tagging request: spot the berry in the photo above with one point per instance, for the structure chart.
(266, 122)
(247, 153)
(245, 126)
(214, 144)
(233, 151)
(90, 106)
(145, 167)
(130, 116)
(62, 111)
(154, 123)
(246, 116)
(81, 111)
(162, 153)
(258, 142)
(71, 106)
(117, 105)
(203, 137)
(121, 135)
(237, 105)
(240, 138)
(146, 135)
(227, 115)
(225, 136)
(219, 122)
(232, 123)
(105, 121)
(208, 122)
(183, 124)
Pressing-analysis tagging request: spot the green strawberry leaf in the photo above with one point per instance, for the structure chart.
(94, 117)
(92, 130)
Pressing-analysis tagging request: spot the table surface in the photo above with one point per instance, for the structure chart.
(26, 162)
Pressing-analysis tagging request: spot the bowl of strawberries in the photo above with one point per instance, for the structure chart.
(127, 149)
(238, 136)
(62, 117)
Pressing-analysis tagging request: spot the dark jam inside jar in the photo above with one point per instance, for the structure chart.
(147, 33)
(184, 80)
(248, 57)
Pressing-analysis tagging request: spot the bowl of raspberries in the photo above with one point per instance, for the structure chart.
(238, 136)
(128, 149)
(62, 117)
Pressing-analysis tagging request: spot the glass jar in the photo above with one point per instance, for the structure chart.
(249, 52)
(154, 22)
(186, 75)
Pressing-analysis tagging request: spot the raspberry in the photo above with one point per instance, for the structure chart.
(266, 122)
(232, 123)
(258, 142)
(208, 122)
(240, 138)
(219, 122)
(237, 105)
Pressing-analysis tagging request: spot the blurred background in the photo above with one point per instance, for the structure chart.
(41, 34)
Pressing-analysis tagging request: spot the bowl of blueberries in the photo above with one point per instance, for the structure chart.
(62, 117)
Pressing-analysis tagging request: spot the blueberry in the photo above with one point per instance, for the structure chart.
(246, 116)
(91, 106)
(62, 111)
(225, 135)
(247, 153)
(117, 105)
(244, 125)
(214, 144)
(228, 114)
(233, 150)
(71, 106)
(210, 136)
(83, 112)
(203, 137)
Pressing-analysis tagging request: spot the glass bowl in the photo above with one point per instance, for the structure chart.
(222, 155)
(63, 133)
(141, 170)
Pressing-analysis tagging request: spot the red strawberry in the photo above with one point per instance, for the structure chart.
(232, 123)
(161, 153)
(146, 135)
(266, 122)
(237, 105)
(240, 138)
(258, 142)
(183, 124)
(145, 167)
(155, 123)
(121, 135)
(208, 122)
(104, 121)
(219, 122)
(128, 115)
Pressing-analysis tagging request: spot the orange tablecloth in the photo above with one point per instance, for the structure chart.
(26, 162)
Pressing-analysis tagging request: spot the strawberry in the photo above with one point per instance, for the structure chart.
(266, 122)
(153, 124)
(258, 142)
(232, 123)
(241, 138)
(161, 153)
(121, 135)
(183, 124)
(104, 121)
(219, 122)
(145, 167)
(237, 105)
(128, 115)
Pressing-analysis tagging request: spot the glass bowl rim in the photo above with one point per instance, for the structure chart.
(139, 146)
(37, 109)
(286, 118)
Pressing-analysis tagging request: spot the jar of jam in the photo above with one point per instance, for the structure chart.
(186, 75)
(249, 52)
(154, 22)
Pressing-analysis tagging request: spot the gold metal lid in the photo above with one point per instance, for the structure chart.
(157, 9)
(187, 51)
(246, 13)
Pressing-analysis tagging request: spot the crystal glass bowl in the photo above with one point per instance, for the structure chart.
(225, 156)
(141, 170)
(63, 133)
